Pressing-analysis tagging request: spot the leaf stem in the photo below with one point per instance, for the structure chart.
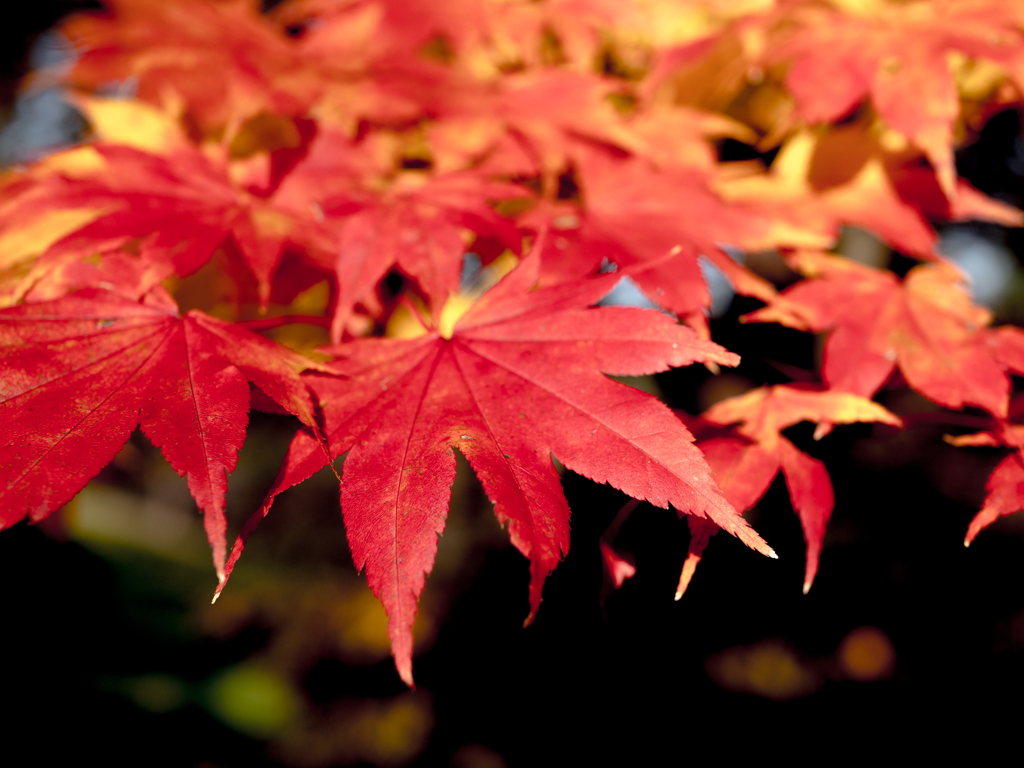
(948, 419)
(627, 509)
(267, 323)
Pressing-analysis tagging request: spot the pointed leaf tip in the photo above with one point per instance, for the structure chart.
(405, 672)
(220, 588)
(689, 568)
(618, 567)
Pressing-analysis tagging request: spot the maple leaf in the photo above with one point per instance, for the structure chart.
(331, 141)
(1005, 495)
(515, 380)
(920, 188)
(655, 222)
(81, 372)
(926, 324)
(787, 192)
(546, 111)
(183, 204)
(551, 108)
(123, 273)
(365, 72)
(1003, 433)
(223, 58)
(745, 465)
(474, 69)
(1005, 485)
(409, 221)
(883, 49)
(393, 28)
(710, 59)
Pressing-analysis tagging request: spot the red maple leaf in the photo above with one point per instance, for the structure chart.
(1005, 485)
(919, 187)
(657, 221)
(1005, 495)
(327, 142)
(745, 465)
(380, 219)
(223, 58)
(925, 324)
(81, 372)
(517, 379)
(184, 204)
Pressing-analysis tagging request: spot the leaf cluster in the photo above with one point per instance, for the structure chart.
(399, 221)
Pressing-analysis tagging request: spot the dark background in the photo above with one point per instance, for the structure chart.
(622, 682)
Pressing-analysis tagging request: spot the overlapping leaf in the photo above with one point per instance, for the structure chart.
(81, 372)
(746, 464)
(866, 199)
(1005, 495)
(183, 204)
(926, 324)
(837, 57)
(411, 222)
(658, 222)
(1006, 483)
(222, 58)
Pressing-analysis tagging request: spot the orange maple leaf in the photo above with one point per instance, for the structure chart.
(809, 216)
(926, 324)
(886, 50)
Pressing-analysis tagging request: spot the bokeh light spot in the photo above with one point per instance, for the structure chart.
(769, 669)
(253, 700)
(866, 654)
(156, 693)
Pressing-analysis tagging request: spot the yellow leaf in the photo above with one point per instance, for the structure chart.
(132, 123)
(30, 238)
